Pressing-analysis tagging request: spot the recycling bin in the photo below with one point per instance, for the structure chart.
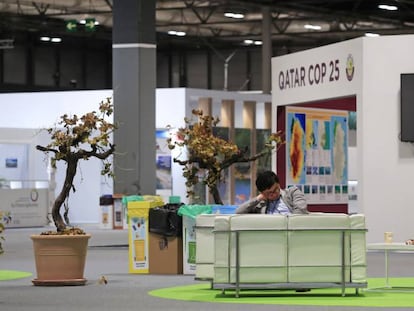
(189, 214)
(138, 234)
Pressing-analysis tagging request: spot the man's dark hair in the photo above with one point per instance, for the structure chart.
(265, 180)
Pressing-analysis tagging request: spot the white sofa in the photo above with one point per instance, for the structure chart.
(204, 227)
(253, 251)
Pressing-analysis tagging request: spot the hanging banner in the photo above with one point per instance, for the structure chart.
(317, 153)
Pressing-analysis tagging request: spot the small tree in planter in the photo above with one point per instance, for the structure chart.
(79, 138)
(210, 154)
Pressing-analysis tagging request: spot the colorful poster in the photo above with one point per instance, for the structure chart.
(317, 153)
(296, 147)
(163, 163)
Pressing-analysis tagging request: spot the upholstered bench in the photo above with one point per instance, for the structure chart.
(252, 251)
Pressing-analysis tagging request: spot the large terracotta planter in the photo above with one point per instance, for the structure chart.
(60, 259)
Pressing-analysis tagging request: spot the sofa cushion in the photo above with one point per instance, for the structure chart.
(262, 248)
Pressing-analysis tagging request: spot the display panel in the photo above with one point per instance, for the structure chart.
(407, 107)
(317, 153)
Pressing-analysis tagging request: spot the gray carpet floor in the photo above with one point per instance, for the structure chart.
(108, 256)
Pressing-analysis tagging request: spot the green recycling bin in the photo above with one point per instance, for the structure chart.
(189, 214)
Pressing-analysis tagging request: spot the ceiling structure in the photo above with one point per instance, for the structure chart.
(204, 23)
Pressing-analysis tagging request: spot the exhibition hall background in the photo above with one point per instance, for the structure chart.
(86, 63)
(384, 164)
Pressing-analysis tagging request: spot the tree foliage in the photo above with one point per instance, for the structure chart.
(208, 155)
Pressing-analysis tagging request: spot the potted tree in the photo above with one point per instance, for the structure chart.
(208, 156)
(73, 139)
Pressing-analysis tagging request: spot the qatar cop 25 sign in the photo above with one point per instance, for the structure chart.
(316, 74)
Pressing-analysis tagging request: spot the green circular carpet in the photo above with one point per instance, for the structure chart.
(316, 297)
(12, 274)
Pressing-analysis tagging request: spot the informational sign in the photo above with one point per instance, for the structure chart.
(90, 24)
(163, 164)
(71, 25)
(317, 153)
(24, 207)
(332, 71)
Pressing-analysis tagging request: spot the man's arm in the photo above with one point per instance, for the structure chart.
(249, 206)
(296, 200)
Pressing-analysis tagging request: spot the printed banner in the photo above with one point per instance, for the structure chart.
(317, 153)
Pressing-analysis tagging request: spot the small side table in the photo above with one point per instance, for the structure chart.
(388, 248)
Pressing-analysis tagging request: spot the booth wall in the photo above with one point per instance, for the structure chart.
(387, 164)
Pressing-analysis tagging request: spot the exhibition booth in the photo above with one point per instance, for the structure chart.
(361, 75)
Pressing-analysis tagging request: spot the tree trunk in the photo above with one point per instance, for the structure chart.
(216, 195)
(64, 193)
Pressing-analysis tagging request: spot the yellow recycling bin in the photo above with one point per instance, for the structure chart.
(138, 236)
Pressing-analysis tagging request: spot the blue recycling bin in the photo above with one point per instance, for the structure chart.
(224, 209)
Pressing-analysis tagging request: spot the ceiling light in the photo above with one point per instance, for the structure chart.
(234, 15)
(370, 34)
(251, 42)
(312, 27)
(176, 33)
(83, 22)
(387, 7)
(49, 39)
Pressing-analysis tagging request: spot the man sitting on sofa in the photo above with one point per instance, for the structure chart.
(272, 199)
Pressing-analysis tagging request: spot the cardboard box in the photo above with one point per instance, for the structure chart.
(165, 254)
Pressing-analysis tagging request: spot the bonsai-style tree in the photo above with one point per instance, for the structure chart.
(210, 154)
(79, 138)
